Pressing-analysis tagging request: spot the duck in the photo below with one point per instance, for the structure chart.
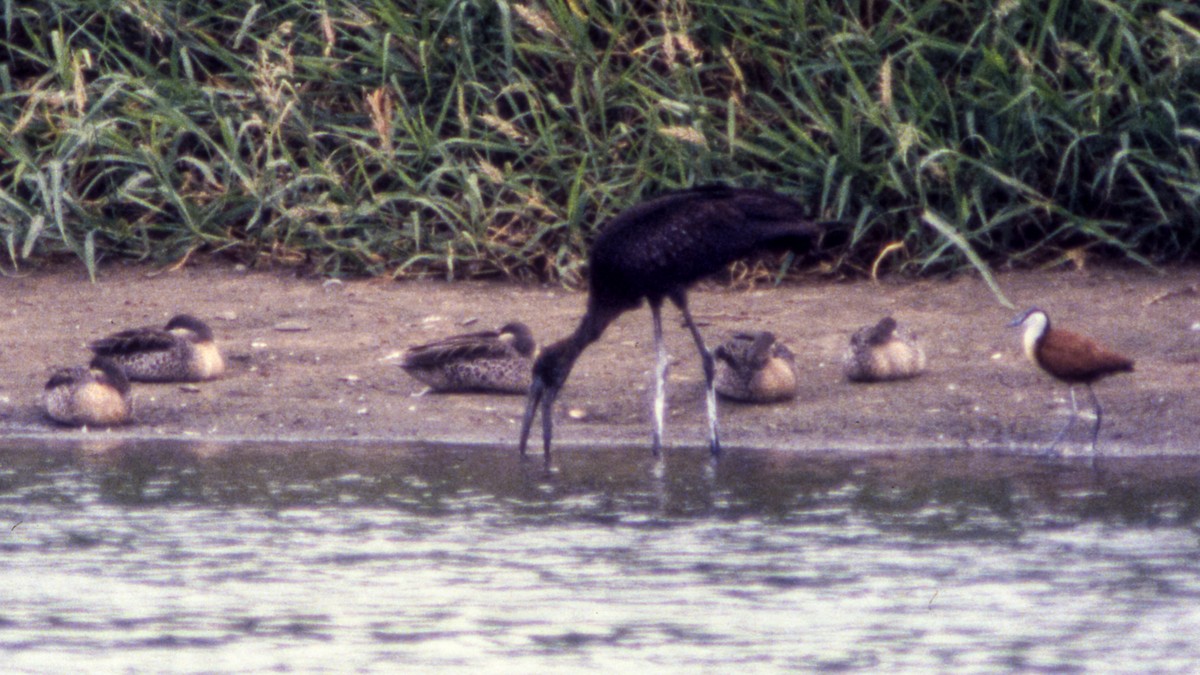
(883, 352)
(756, 368)
(1071, 358)
(182, 351)
(93, 395)
(496, 361)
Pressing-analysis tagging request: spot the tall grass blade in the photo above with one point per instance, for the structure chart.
(948, 231)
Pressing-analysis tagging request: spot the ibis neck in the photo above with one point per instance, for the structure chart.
(565, 352)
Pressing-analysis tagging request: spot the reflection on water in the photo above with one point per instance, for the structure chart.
(191, 557)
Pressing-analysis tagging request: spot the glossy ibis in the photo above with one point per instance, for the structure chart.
(652, 251)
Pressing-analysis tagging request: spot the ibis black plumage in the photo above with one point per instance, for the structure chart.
(653, 251)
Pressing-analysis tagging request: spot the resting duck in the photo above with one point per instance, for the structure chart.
(881, 352)
(182, 351)
(500, 361)
(755, 368)
(92, 395)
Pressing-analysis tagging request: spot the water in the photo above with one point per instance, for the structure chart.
(186, 557)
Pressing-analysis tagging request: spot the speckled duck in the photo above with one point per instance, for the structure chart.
(883, 352)
(182, 351)
(92, 395)
(499, 361)
(755, 368)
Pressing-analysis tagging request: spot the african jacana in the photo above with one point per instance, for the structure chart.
(1071, 358)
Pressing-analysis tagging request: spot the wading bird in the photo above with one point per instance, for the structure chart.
(653, 251)
(92, 395)
(1071, 358)
(182, 351)
(483, 361)
(881, 352)
(755, 368)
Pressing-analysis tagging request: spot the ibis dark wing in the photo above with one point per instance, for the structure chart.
(666, 243)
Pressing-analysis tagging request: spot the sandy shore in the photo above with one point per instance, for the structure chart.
(314, 360)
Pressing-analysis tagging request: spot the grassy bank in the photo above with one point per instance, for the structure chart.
(490, 138)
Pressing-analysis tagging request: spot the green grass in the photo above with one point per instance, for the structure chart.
(472, 139)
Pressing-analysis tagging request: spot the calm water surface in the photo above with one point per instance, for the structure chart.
(186, 557)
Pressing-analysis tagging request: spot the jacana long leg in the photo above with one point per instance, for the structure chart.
(1070, 422)
(710, 370)
(660, 376)
(1099, 417)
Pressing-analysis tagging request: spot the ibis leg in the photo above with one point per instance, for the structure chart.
(660, 377)
(548, 421)
(710, 367)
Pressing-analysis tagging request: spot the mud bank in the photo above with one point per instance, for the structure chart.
(317, 360)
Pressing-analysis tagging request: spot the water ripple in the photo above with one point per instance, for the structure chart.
(163, 558)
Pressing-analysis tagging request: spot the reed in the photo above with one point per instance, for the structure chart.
(467, 138)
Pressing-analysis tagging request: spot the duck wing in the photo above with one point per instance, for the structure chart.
(66, 376)
(133, 341)
(465, 347)
(746, 352)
